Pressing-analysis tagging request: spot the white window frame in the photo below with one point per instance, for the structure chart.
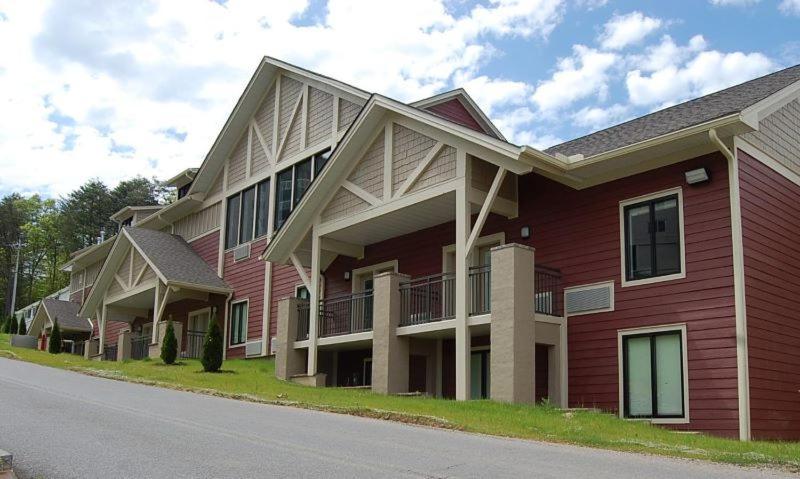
(354, 275)
(496, 238)
(682, 237)
(621, 333)
(230, 323)
(196, 313)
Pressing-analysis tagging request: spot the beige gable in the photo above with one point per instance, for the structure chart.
(132, 272)
(368, 173)
(320, 116)
(265, 117)
(409, 148)
(348, 111)
(259, 157)
(442, 168)
(237, 164)
(216, 187)
(779, 136)
(344, 203)
(199, 222)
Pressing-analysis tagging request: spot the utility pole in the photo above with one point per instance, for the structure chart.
(16, 273)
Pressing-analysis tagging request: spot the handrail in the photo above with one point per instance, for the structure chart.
(346, 314)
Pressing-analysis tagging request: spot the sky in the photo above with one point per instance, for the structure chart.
(115, 89)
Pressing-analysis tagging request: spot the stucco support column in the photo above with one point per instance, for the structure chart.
(313, 334)
(463, 226)
(124, 345)
(513, 329)
(389, 351)
(90, 348)
(288, 360)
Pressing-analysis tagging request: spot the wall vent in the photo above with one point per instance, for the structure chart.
(252, 349)
(241, 252)
(590, 298)
(273, 345)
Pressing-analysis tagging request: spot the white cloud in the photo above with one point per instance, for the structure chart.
(597, 118)
(672, 74)
(624, 30)
(91, 89)
(583, 74)
(734, 3)
(790, 7)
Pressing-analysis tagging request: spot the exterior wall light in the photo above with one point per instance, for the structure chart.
(525, 232)
(699, 175)
(347, 275)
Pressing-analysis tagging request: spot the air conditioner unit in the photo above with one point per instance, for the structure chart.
(252, 349)
(591, 298)
(241, 252)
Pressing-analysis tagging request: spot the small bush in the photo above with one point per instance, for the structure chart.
(212, 348)
(169, 347)
(55, 339)
(12, 324)
(21, 328)
(4, 325)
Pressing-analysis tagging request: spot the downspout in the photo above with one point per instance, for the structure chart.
(743, 371)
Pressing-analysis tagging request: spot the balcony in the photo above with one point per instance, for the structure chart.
(346, 314)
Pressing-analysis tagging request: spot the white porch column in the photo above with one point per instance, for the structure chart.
(463, 226)
(101, 328)
(313, 313)
(156, 308)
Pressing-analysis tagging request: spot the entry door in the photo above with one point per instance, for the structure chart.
(479, 374)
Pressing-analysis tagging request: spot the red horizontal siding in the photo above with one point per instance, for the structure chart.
(284, 281)
(771, 237)
(207, 248)
(454, 111)
(246, 277)
(578, 233)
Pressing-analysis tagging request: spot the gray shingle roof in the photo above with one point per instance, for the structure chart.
(677, 117)
(175, 259)
(66, 312)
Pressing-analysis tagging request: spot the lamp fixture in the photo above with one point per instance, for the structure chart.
(525, 232)
(347, 275)
(700, 175)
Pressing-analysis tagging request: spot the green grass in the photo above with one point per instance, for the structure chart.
(255, 380)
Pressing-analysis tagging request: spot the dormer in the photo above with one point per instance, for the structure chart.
(133, 215)
(182, 181)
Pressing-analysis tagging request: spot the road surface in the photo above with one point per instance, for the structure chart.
(60, 424)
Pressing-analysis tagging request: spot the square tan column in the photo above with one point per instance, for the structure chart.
(124, 345)
(513, 326)
(389, 352)
(288, 360)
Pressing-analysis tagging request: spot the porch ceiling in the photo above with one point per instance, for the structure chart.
(141, 300)
(418, 216)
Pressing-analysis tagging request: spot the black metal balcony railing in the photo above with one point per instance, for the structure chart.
(194, 344)
(110, 352)
(78, 348)
(303, 319)
(140, 346)
(548, 291)
(480, 289)
(346, 314)
(427, 299)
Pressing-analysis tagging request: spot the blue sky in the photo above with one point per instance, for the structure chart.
(114, 89)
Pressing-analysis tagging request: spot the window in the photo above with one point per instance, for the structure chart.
(184, 189)
(652, 237)
(127, 222)
(247, 213)
(293, 182)
(238, 324)
(653, 379)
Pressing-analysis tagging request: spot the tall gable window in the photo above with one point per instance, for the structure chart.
(246, 215)
(652, 229)
(293, 182)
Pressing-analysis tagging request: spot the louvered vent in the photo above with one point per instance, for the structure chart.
(252, 349)
(241, 252)
(589, 299)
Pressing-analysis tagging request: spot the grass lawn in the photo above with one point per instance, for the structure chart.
(254, 380)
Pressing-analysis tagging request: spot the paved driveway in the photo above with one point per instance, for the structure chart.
(60, 424)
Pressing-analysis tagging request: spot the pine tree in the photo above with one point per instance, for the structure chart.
(21, 327)
(169, 347)
(55, 339)
(12, 324)
(212, 347)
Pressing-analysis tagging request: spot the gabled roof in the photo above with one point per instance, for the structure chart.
(128, 211)
(66, 313)
(172, 259)
(89, 255)
(501, 153)
(182, 178)
(678, 117)
(461, 96)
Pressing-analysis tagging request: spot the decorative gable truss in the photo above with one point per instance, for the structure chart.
(133, 274)
(413, 163)
(310, 117)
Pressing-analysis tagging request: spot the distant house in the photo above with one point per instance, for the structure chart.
(74, 329)
(28, 312)
(651, 269)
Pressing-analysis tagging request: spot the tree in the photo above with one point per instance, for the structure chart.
(5, 324)
(55, 339)
(12, 324)
(21, 327)
(169, 347)
(212, 346)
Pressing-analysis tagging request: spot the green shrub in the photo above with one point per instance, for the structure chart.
(212, 348)
(21, 328)
(55, 339)
(169, 347)
(12, 324)
(4, 325)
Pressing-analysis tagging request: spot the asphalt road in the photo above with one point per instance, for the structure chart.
(60, 424)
